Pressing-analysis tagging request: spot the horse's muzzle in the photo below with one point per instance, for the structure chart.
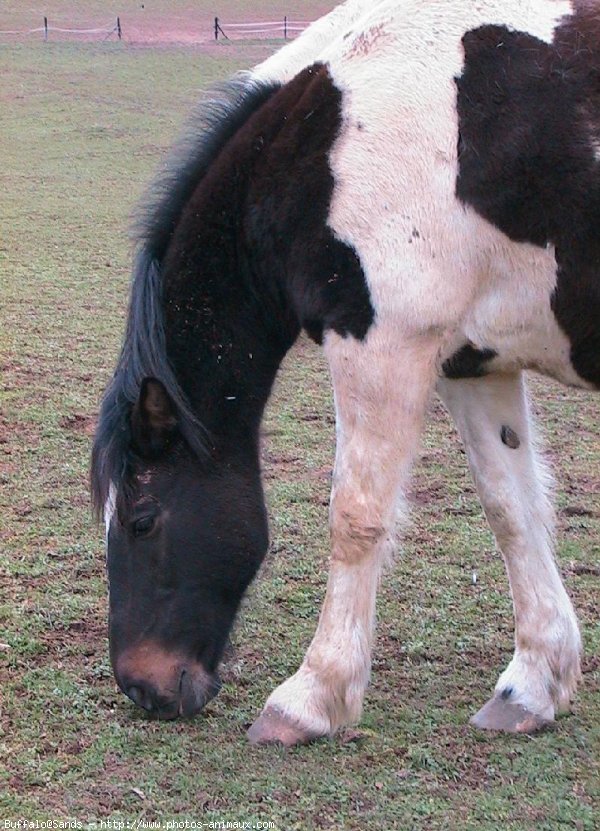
(165, 685)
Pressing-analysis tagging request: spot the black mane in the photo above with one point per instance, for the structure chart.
(211, 126)
(214, 121)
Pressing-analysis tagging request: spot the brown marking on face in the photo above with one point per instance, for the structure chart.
(152, 663)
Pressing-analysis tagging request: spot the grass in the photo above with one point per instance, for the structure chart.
(83, 128)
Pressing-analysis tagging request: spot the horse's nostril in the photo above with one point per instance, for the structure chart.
(142, 696)
(214, 688)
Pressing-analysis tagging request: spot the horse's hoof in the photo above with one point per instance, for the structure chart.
(502, 714)
(272, 727)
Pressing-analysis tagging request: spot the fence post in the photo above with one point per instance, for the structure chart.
(216, 28)
(285, 27)
(45, 28)
(119, 27)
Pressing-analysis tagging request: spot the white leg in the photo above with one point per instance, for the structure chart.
(492, 415)
(381, 391)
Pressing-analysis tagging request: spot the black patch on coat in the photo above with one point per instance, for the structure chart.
(289, 202)
(468, 362)
(529, 117)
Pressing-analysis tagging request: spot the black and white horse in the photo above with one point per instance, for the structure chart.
(416, 184)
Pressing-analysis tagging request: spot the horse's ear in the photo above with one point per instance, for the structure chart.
(153, 418)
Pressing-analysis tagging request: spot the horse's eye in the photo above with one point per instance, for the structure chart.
(143, 525)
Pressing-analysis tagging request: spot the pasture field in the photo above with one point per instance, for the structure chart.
(83, 128)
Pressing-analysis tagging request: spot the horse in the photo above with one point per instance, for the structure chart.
(416, 185)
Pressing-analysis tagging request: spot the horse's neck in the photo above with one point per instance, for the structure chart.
(223, 346)
(228, 318)
(228, 275)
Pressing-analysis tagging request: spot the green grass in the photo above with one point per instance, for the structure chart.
(83, 129)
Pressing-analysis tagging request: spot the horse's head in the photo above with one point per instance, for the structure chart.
(184, 539)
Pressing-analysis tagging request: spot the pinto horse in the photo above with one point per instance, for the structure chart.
(416, 184)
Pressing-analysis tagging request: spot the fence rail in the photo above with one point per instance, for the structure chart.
(46, 29)
(285, 29)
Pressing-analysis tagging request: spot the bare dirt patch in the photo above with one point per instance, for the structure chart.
(79, 423)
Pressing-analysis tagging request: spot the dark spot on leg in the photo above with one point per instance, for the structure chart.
(468, 362)
(509, 437)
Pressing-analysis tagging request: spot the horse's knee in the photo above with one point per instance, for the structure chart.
(356, 533)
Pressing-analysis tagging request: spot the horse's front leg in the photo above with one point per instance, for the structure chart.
(492, 415)
(381, 389)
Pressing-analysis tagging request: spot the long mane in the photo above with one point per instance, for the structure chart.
(214, 122)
